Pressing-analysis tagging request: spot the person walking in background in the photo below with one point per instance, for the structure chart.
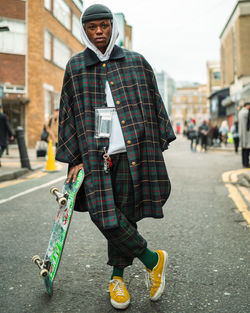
(52, 127)
(185, 129)
(244, 132)
(216, 137)
(203, 132)
(5, 132)
(223, 130)
(236, 135)
(113, 124)
(193, 135)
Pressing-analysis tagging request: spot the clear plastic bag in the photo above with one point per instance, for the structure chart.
(103, 122)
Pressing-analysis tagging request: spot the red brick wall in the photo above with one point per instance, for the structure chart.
(12, 9)
(12, 69)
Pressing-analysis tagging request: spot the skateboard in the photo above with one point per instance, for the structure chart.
(66, 201)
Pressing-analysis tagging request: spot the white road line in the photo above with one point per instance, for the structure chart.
(33, 189)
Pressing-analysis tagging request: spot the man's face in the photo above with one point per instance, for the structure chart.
(99, 33)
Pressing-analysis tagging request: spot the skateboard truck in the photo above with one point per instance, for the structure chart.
(42, 264)
(60, 198)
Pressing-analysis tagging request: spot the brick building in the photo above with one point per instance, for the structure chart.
(213, 76)
(215, 93)
(41, 37)
(235, 60)
(189, 103)
(125, 32)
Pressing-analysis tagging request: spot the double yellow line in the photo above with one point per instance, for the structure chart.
(239, 194)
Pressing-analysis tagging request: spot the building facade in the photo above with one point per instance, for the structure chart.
(189, 103)
(235, 60)
(167, 89)
(42, 36)
(215, 93)
(125, 32)
(213, 77)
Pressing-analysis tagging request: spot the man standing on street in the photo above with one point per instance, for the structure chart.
(5, 132)
(244, 131)
(113, 124)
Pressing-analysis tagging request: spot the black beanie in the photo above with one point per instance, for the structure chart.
(96, 12)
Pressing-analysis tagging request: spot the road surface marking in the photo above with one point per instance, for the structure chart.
(245, 192)
(239, 202)
(231, 176)
(33, 189)
(240, 195)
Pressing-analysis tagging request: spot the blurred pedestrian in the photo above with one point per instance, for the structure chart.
(52, 127)
(5, 132)
(236, 135)
(114, 125)
(193, 135)
(203, 131)
(244, 132)
(185, 129)
(223, 131)
(216, 136)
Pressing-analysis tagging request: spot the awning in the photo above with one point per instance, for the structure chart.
(16, 101)
(227, 101)
(242, 96)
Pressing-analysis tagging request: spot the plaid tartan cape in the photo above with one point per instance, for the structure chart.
(145, 125)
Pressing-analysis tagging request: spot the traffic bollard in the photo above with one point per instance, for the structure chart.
(24, 158)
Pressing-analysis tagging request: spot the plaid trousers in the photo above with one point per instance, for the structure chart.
(124, 242)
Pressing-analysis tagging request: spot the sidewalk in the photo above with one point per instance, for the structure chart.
(228, 148)
(11, 164)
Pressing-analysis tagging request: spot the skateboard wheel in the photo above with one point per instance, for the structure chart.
(62, 201)
(36, 258)
(44, 273)
(53, 189)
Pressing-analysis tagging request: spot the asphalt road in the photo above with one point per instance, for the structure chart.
(206, 238)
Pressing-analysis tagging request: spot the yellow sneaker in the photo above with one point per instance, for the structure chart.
(156, 277)
(119, 296)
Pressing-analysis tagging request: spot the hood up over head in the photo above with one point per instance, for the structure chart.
(99, 12)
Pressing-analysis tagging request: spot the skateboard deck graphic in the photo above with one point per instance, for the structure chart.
(66, 200)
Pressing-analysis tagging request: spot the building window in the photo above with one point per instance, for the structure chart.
(178, 99)
(47, 4)
(47, 45)
(79, 4)
(217, 75)
(76, 27)
(200, 99)
(61, 53)
(56, 101)
(14, 40)
(62, 12)
(47, 104)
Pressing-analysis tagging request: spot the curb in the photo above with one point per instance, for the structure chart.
(13, 174)
(16, 173)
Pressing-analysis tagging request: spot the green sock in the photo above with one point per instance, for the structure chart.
(117, 272)
(149, 258)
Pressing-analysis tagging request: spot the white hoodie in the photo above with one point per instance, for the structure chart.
(102, 57)
(116, 140)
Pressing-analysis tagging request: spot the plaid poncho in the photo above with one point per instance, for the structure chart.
(145, 125)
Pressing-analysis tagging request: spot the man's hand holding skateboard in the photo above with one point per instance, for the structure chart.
(72, 174)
